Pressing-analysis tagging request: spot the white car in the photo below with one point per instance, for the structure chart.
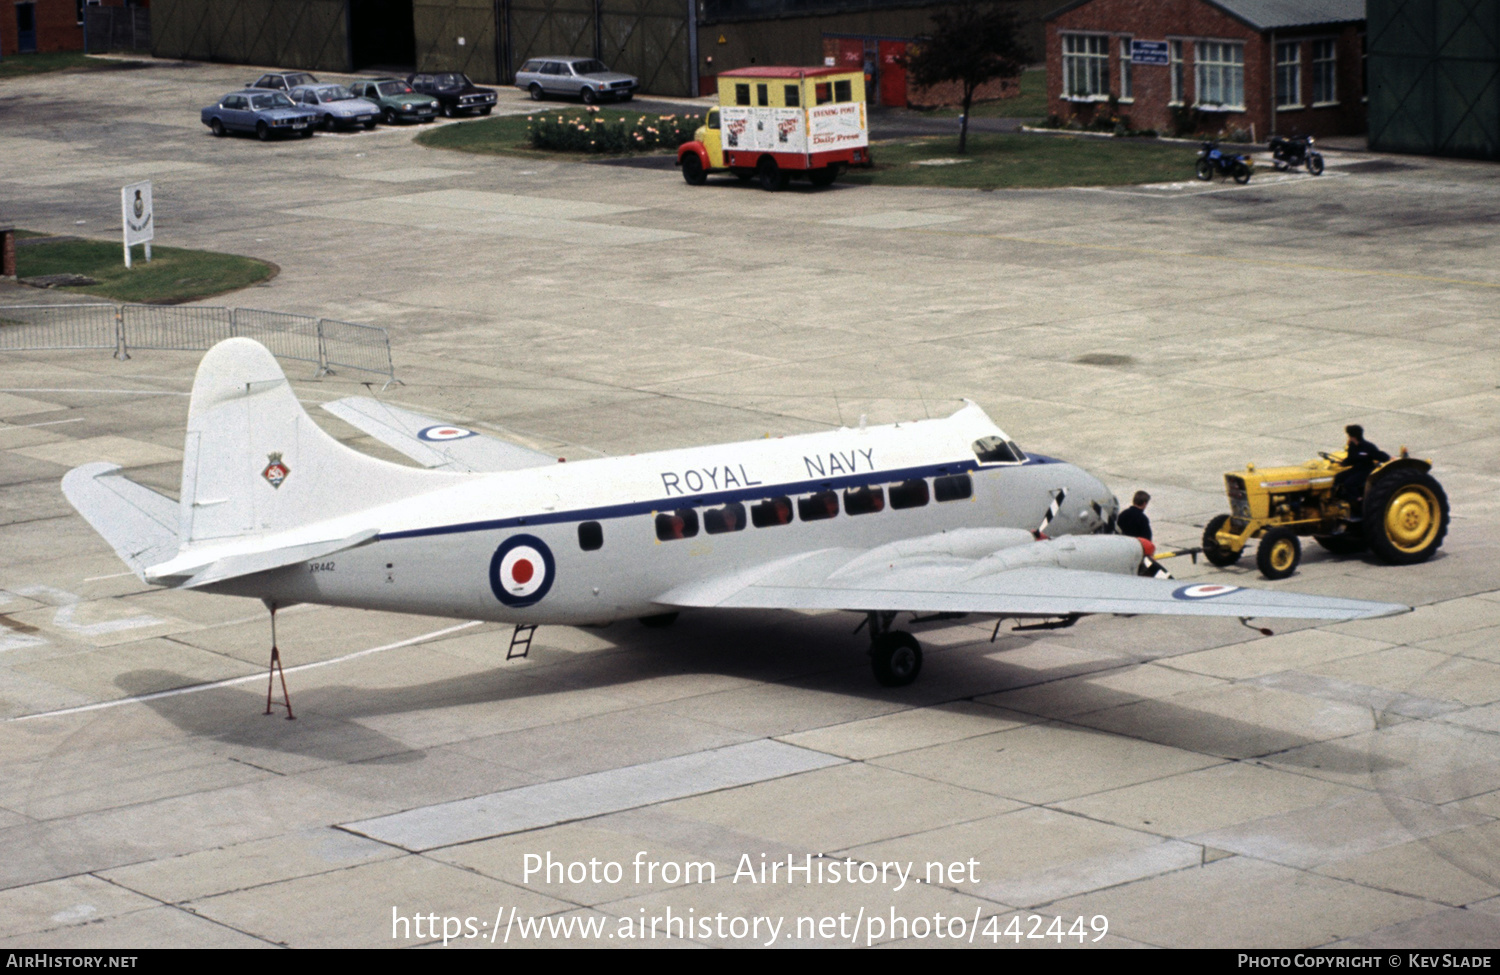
(584, 78)
(337, 106)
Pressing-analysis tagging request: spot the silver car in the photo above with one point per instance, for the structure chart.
(584, 78)
(338, 107)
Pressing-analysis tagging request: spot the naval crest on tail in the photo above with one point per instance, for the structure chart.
(275, 471)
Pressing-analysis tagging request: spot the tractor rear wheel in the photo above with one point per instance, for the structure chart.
(1278, 554)
(1406, 516)
(1220, 555)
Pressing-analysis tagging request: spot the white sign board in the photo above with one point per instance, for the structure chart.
(138, 217)
(839, 126)
(763, 129)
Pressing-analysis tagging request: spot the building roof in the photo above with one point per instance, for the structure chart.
(773, 71)
(1272, 14)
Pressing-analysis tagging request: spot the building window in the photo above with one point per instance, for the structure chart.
(1220, 75)
(1085, 66)
(1125, 89)
(1289, 75)
(1324, 63)
(1174, 49)
(762, 95)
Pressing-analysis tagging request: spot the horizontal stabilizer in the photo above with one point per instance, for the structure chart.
(935, 584)
(139, 524)
(433, 443)
(191, 569)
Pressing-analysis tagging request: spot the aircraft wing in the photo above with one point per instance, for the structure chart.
(433, 443)
(849, 579)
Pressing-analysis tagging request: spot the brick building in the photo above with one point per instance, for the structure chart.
(1265, 67)
(48, 25)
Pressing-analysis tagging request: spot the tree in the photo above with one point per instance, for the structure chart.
(971, 44)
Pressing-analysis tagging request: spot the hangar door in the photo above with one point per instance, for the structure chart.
(310, 34)
(457, 35)
(646, 38)
(1434, 76)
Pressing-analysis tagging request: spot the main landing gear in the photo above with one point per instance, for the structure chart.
(895, 655)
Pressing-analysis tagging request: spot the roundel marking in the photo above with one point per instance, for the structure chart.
(1203, 591)
(522, 570)
(444, 431)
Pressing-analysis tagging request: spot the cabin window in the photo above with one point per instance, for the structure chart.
(909, 494)
(816, 507)
(842, 92)
(762, 95)
(672, 525)
(995, 450)
(730, 518)
(864, 501)
(713, 119)
(590, 536)
(742, 94)
(824, 93)
(772, 511)
(793, 96)
(953, 488)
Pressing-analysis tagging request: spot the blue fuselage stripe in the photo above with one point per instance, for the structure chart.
(757, 493)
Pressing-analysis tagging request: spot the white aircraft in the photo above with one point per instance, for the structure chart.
(933, 517)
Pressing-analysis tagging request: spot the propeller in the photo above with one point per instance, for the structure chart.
(1040, 531)
(1149, 566)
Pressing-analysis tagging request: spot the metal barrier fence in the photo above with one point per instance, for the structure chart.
(325, 342)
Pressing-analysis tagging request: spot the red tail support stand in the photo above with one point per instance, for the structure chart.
(276, 669)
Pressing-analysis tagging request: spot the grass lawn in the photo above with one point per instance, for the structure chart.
(17, 65)
(1025, 160)
(1030, 103)
(507, 134)
(173, 275)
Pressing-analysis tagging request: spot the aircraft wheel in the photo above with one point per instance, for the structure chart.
(896, 658)
(660, 621)
(1278, 554)
(1406, 517)
(1220, 555)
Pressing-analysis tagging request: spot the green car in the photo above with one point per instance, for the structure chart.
(398, 101)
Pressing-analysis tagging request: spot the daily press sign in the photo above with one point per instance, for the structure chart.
(139, 219)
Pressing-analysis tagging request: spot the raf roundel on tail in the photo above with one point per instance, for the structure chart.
(938, 517)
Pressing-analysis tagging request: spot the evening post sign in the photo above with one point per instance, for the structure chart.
(140, 222)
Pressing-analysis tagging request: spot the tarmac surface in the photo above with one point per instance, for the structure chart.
(1179, 782)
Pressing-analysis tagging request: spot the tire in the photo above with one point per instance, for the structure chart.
(896, 658)
(1219, 555)
(535, 91)
(388, 116)
(824, 176)
(1241, 173)
(369, 124)
(1278, 554)
(770, 175)
(328, 123)
(216, 127)
(262, 131)
(307, 132)
(446, 109)
(660, 621)
(1205, 170)
(1315, 163)
(693, 172)
(589, 96)
(1351, 542)
(1406, 517)
(486, 110)
(627, 96)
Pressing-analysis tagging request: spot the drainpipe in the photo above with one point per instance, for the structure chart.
(1273, 85)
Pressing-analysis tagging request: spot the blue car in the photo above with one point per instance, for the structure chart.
(266, 113)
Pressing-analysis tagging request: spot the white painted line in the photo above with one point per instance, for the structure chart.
(49, 423)
(130, 392)
(230, 682)
(114, 575)
(596, 794)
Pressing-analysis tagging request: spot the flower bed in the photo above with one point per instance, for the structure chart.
(602, 131)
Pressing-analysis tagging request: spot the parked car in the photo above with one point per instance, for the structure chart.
(266, 113)
(397, 100)
(337, 105)
(584, 78)
(283, 80)
(455, 93)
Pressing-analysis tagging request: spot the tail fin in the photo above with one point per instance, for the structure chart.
(255, 462)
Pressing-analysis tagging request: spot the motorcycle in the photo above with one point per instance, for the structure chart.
(1294, 152)
(1212, 160)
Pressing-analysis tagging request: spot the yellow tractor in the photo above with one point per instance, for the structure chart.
(1402, 517)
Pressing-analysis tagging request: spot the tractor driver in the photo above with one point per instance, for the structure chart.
(1362, 456)
(1133, 520)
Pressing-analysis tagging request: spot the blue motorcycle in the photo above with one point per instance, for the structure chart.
(1212, 160)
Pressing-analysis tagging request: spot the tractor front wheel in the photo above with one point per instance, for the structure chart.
(1220, 555)
(1278, 554)
(1406, 516)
